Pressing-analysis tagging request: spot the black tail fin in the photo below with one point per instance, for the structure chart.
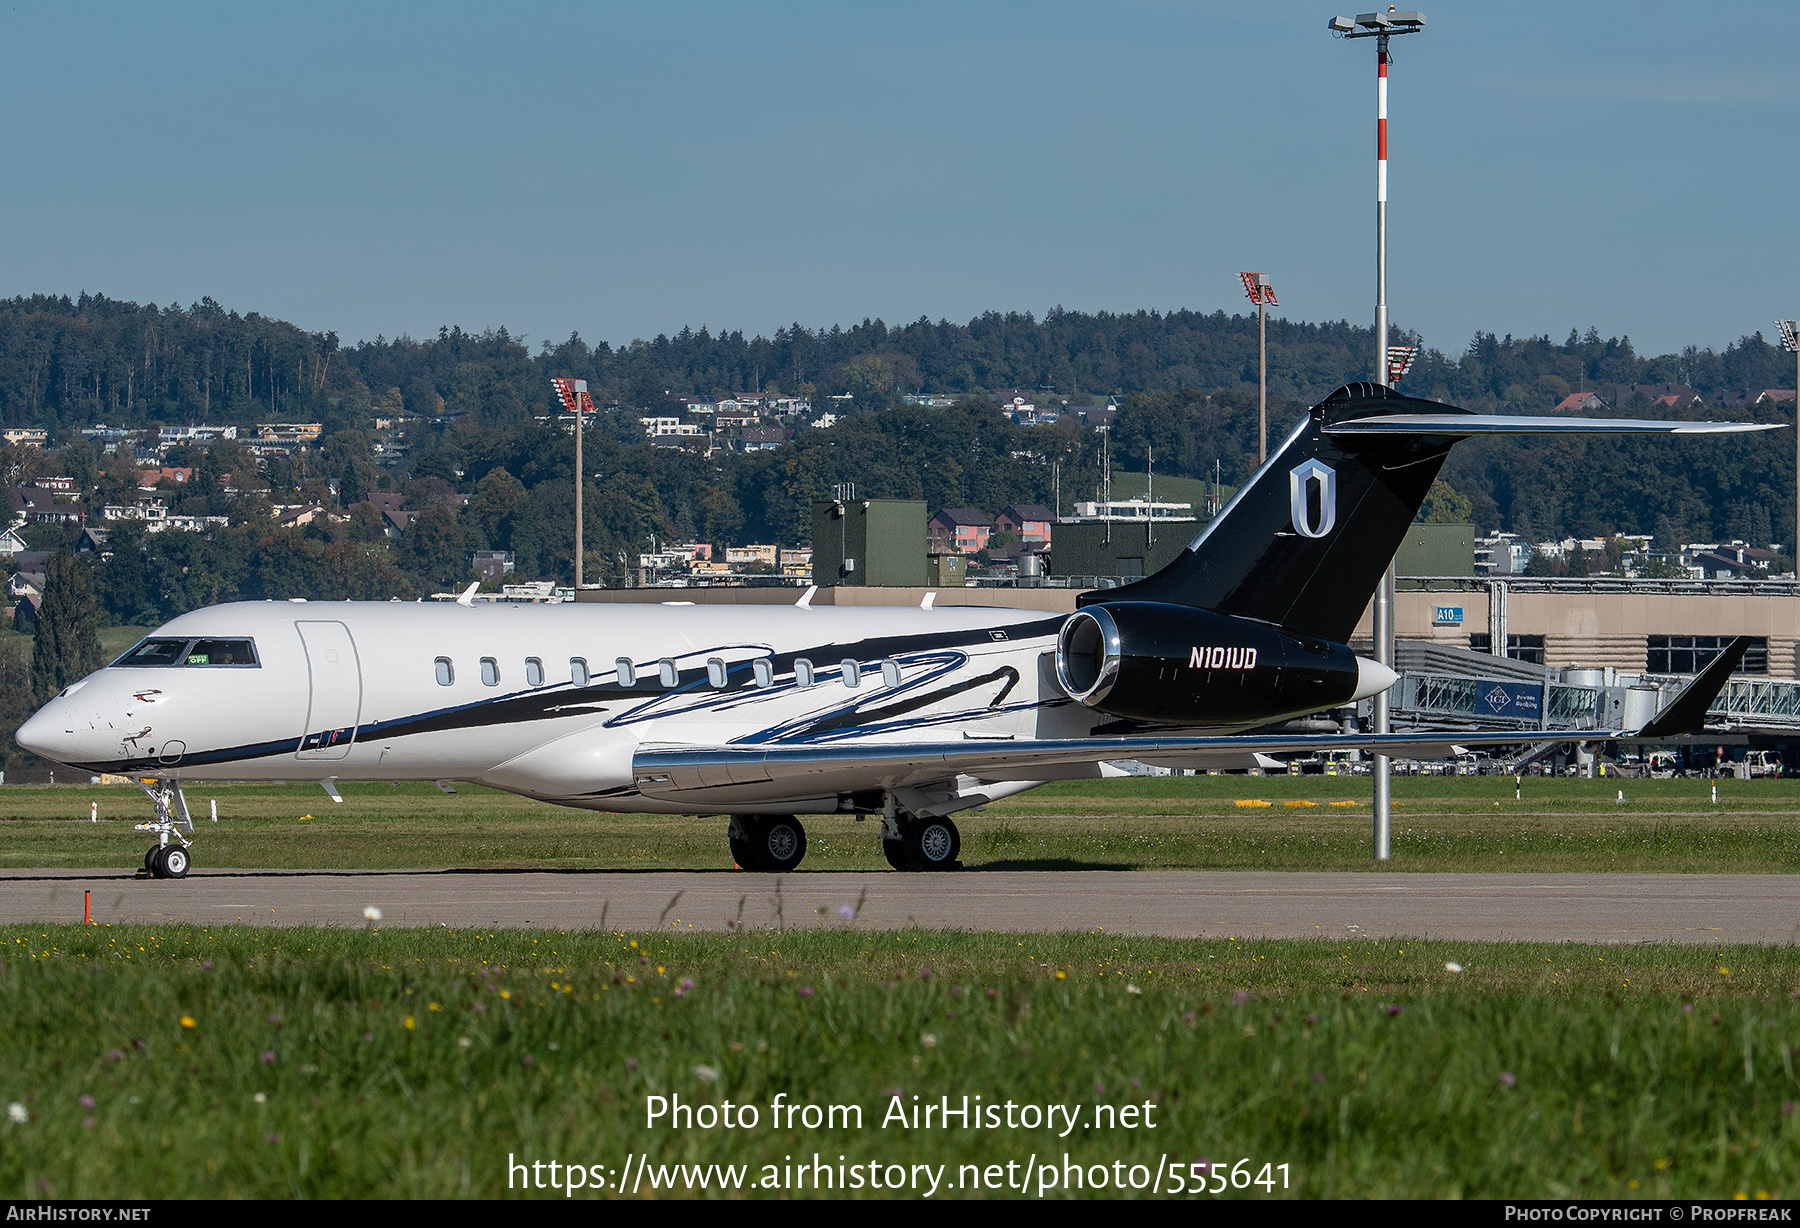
(1305, 542)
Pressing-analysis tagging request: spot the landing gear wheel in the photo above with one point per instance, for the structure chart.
(773, 844)
(175, 862)
(150, 858)
(932, 844)
(896, 853)
(780, 843)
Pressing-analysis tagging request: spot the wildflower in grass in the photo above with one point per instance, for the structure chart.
(1318, 1076)
(929, 1040)
(367, 1037)
(1395, 1009)
(275, 1020)
(115, 1055)
(1452, 967)
(188, 1021)
(924, 974)
(261, 1098)
(273, 1139)
(1133, 989)
(268, 1057)
(631, 1063)
(87, 1123)
(706, 1074)
(15, 1112)
(464, 1043)
(1241, 996)
(86, 1102)
(206, 965)
(1787, 1108)
(372, 913)
(1687, 1008)
(992, 994)
(1099, 1088)
(1191, 1019)
(1506, 1078)
(528, 1060)
(1061, 975)
(806, 991)
(891, 1093)
(846, 912)
(410, 1024)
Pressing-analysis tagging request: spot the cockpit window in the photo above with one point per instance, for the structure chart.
(221, 652)
(158, 651)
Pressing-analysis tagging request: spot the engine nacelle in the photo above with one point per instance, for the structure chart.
(1179, 665)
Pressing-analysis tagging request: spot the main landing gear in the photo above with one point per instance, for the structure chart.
(168, 857)
(775, 843)
(921, 844)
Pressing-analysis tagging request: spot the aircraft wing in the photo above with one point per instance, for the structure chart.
(791, 770)
(786, 770)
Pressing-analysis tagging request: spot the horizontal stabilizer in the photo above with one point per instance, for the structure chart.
(1463, 425)
(1686, 713)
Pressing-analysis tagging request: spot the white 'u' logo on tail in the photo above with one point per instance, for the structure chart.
(1300, 487)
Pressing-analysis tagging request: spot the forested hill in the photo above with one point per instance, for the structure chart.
(67, 361)
(1186, 380)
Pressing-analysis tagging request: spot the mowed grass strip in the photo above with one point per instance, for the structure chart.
(234, 1062)
(1439, 823)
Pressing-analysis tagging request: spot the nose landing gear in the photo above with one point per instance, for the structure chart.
(168, 857)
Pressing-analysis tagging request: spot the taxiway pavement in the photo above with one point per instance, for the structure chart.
(1709, 908)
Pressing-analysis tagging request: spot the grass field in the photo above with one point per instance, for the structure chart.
(1310, 823)
(179, 1062)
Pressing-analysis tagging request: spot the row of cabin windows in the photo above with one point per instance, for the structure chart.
(665, 671)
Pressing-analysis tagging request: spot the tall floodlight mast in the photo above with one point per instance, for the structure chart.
(573, 393)
(1790, 340)
(1262, 294)
(1381, 27)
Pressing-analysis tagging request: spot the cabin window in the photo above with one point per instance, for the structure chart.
(666, 670)
(446, 672)
(803, 672)
(534, 672)
(578, 671)
(716, 673)
(890, 672)
(490, 672)
(764, 670)
(627, 672)
(852, 671)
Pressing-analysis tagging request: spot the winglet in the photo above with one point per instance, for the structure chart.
(468, 594)
(925, 602)
(805, 602)
(1686, 713)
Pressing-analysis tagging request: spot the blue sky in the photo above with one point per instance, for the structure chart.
(623, 170)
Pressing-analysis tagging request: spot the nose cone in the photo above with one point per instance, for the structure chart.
(50, 732)
(76, 727)
(1372, 678)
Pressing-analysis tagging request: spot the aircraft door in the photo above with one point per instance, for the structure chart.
(335, 701)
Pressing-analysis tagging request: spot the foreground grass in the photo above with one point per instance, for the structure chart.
(171, 1061)
(1309, 823)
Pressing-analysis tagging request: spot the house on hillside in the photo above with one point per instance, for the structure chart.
(958, 530)
(1579, 403)
(1029, 522)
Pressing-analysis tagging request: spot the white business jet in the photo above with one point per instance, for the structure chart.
(764, 714)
